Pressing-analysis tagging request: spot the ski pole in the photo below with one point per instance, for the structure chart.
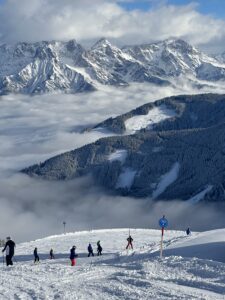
(3, 259)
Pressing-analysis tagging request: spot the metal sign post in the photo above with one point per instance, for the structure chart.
(163, 223)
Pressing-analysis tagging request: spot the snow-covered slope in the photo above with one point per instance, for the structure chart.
(155, 115)
(119, 273)
(176, 57)
(206, 245)
(51, 66)
(42, 68)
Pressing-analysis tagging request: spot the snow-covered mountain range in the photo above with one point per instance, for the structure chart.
(53, 66)
(192, 267)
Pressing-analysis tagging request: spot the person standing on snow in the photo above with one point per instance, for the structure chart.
(51, 254)
(9, 248)
(99, 248)
(73, 256)
(129, 241)
(90, 250)
(188, 231)
(36, 257)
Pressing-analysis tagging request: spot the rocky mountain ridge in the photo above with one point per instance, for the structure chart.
(53, 66)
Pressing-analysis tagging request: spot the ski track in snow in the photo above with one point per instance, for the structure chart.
(118, 274)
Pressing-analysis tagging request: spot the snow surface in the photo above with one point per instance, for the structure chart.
(155, 115)
(119, 155)
(119, 273)
(206, 245)
(166, 180)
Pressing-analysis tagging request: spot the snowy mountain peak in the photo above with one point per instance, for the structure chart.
(72, 46)
(157, 63)
(102, 43)
(180, 45)
(44, 53)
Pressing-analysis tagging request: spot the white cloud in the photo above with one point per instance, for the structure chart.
(84, 20)
(33, 129)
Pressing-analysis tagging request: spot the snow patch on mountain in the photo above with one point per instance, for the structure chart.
(198, 197)
(155, 115)
(166, 180)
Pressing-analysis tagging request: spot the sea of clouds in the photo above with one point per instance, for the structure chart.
(35, 128)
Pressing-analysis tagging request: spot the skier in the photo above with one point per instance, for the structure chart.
(90, 250)
(73, 255)
(9, 248)
(129, 240)
(36, 256)
(51, 254)
(99, 248)
(188, 231)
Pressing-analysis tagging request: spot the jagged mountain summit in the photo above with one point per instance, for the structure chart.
(52, 66)
(171, 149)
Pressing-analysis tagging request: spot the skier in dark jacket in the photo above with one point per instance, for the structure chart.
(51, 254)
(99, 248)
(36, 256)
(129, 242)
(73, 256)
(90, 250)
(9, 248)
(188, 231)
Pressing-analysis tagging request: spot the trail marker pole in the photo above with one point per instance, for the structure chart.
(64, 225)
(163, 223)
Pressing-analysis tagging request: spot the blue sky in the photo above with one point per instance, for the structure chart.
(215, 8)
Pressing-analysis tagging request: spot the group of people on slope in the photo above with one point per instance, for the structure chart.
(10, 250)
(73, 254)
(37, 258)
(10, 245)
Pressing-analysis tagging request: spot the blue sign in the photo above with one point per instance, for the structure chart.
(163, 222)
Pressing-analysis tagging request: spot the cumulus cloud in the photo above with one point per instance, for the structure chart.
(87, 20)
(33, 129)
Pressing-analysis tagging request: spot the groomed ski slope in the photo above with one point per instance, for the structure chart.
(119, 274)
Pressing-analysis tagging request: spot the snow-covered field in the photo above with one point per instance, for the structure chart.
(120, 274)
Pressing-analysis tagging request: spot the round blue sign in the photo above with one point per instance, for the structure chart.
(163, 222)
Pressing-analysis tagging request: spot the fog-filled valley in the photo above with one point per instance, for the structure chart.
(39, 127)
